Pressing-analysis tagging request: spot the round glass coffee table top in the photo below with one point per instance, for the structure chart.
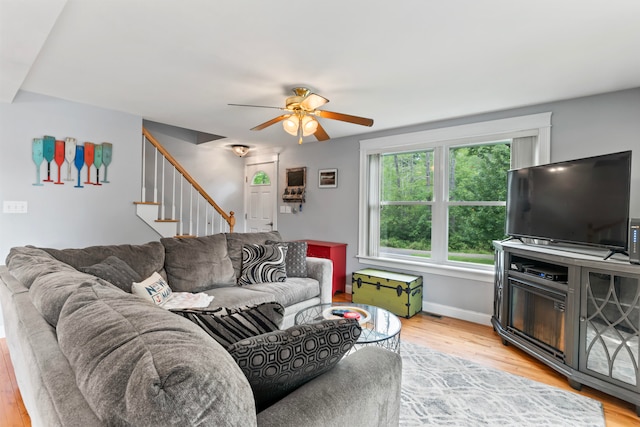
(380, 327)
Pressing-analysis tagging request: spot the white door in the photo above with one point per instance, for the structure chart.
(261, 186)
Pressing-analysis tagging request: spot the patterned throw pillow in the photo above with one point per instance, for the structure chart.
(115, 271)
(230, 325)
(279, 362)
(296, 259)
(263, 264)
(153, 289)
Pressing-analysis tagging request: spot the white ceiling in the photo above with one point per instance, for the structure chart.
(400, 63)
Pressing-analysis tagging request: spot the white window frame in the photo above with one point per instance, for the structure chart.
(440, 139)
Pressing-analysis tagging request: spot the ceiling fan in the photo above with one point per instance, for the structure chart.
(301, 112)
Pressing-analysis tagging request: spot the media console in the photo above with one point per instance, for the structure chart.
(575, 312)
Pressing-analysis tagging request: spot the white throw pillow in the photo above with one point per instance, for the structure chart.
(154, 289)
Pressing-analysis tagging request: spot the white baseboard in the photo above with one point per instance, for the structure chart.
(457, 313)
(448, 311)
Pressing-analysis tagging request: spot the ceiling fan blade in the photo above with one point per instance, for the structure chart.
(313, 101)
(256, 106)
(271, 122)
(344, 117)
(321, 134)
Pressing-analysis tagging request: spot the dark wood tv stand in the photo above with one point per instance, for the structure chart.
(576, 312)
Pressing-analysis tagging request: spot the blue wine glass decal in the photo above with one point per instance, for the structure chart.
(38, 157)
(107, 153)
(97, 161)
(79, 162)
(49, 147)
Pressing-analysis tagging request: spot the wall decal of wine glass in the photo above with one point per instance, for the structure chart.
(88, 159)
(79, 163)
(69, 155)
(38, 157)
(48, 149)
(107, 153)
(58, 156)
(97, 161)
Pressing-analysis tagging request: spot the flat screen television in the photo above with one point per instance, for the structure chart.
(583, 201)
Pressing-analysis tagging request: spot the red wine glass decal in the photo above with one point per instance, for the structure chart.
(69, 155)
(97, 161)
(79, 163)
(48, 150)
(59, 158)
(88, 159)
(107, 153)
(38, 157)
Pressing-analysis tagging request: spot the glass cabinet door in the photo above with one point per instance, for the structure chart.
(609, 327)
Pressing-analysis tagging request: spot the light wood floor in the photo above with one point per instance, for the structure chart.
(467, 340)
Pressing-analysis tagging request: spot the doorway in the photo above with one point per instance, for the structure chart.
(261, 187)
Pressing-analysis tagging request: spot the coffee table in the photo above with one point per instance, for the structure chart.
(381, 328)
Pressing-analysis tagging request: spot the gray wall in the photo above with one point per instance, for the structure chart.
(61, 215)
(580, 128)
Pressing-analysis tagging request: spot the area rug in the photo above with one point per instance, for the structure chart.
(443, 390)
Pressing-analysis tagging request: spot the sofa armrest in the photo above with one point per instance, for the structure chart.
(321, 269)
(363, 389)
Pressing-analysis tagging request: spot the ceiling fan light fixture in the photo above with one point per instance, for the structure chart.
(240, 150)
(290, 125)
(309, 125)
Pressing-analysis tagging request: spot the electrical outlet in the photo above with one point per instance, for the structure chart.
(14, 206)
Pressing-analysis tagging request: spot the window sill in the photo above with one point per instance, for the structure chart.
(468, 273)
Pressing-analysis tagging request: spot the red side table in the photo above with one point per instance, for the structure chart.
(337, 253)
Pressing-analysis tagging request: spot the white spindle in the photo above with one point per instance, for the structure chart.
(173, 195)
(144, 188)
(155, 177)
(164, 191)
(190, 209)
(181, 205)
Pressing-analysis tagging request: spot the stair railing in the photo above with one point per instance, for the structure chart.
(171, 187)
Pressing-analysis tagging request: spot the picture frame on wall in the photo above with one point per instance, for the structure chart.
(327, 178)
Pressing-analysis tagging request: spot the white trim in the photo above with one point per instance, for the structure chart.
(476, 274)
(456, 313)
(513, 126)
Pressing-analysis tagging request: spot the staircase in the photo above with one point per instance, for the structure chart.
(172, 202)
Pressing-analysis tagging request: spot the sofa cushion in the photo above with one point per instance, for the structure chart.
(235, 242)
(50, 292)
(289, 292)
(28, 263)
(279, 362)
(153, 289)
(115, 271)
(144, 259)
(296, 260)
(137, 364)
(263, 264)
(237, 296)
(197, 264)
(230, 325)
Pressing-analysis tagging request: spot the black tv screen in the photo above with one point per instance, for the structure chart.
(584, 201)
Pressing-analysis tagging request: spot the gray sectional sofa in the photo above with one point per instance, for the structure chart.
(88, 353)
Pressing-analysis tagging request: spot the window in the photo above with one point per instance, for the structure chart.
(260, 178)
(436, 199)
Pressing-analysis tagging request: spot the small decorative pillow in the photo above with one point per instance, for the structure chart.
(296, 259)
(263, 264)
(154, 289)
(115, 271)
(279, 362)
(230, 325)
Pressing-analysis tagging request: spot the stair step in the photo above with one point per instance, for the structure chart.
(167, 220)
(147, 203)
(185, 236)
